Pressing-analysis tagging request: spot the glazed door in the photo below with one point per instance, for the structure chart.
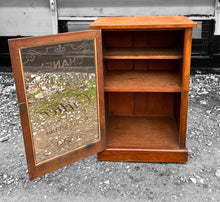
(59, 84)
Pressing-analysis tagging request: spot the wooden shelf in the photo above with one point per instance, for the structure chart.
(142, 53)
(141, 81)
(142, 132)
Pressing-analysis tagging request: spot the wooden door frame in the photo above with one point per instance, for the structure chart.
(37, 170)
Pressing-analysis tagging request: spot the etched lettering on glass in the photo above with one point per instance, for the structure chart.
(60, 85)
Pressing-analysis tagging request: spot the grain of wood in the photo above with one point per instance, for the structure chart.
(148, 22)
(142, 53)
(185, 86)
(141, 81)
(142, 132)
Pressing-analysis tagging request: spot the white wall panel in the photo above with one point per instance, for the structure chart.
(69, 8)
(25, 18)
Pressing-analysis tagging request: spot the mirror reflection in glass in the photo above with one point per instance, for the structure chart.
(60, 85)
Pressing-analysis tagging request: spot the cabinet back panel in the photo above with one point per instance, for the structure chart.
(163, 39)
(121, 104)
(141, 39)
(169, 65)
(160, 104)
(141, 104)
(151, 65)
(140, 64)
(118, 39)
(168, 38)
(119, 64)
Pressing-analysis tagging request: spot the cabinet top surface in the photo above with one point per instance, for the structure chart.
(147, 22)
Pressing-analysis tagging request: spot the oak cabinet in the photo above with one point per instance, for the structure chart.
(146, 65)
(119, 90)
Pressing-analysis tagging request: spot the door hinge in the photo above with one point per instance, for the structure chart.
(22, 106)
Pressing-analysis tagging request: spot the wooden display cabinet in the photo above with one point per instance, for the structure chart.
(138, 99)
(146, 63)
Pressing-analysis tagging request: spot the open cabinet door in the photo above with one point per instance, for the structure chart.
(59, 84)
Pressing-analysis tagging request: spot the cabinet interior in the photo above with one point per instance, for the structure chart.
(142, 84)
(140, 38)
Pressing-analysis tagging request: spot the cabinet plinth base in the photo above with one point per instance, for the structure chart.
(144, 155)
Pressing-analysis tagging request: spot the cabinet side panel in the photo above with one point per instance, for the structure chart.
(177, 99)
(185, 85)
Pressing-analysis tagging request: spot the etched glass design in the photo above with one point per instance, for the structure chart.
(60, 82)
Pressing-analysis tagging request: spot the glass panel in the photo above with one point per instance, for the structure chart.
(60, 85)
